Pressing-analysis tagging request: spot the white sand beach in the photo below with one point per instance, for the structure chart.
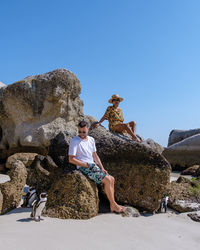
(106, 231)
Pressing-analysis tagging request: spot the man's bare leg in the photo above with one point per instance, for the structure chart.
(108, 182)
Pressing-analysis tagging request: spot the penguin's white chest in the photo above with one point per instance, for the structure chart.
(39, 209)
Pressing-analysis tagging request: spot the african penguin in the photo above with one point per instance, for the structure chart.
(38, 207)
(30, 197)
(164, 203)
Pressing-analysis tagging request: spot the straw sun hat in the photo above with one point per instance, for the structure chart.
(115, 97)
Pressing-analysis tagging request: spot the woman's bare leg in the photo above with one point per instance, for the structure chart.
(133, 126)
(119, 128)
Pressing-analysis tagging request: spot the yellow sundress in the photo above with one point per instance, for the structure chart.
(114, 116)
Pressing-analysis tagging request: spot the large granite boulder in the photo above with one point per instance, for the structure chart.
(195, 216)
(153, 145)
(149, 143)
(184, 153)
(59, 147)
(70, 194)
(36, 109)
(13, 189)
(26, 158)
(2, 168)
(193, 170)
(141, 174)
(184, 195)
(42, 173)
(179, 135)
(73, 196)
(1, 201)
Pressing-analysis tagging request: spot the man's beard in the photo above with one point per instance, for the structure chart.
(83, 136)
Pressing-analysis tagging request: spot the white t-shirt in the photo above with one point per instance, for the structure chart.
(82, 149)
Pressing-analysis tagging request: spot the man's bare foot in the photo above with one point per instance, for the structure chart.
(117, 208)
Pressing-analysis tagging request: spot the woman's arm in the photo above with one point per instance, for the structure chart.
(105, 117)
(102, 119)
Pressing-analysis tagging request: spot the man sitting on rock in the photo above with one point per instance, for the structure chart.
(82, 152)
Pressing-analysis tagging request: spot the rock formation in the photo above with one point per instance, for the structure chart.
(73, 196)
(184, 153)
(42, 173)
(141, 174)
(39, 115)
(193, 170)
(195, 216)
(1, 201)
(36, 109)
(184, 195)
(179, 135)
(26, 158)
(2, 168)
(13, 189)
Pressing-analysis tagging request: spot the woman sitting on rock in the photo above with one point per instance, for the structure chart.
(115, 117)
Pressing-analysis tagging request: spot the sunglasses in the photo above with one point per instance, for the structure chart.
(81, 132)
(118, 100)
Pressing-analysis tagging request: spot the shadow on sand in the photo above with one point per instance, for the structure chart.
(19, 210)
(25, 220)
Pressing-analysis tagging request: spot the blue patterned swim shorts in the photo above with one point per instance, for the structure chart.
(93, 172)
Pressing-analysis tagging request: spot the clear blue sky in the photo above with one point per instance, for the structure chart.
(147, 51)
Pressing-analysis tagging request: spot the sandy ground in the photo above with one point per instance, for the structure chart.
(106, 231)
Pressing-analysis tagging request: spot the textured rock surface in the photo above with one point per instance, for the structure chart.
(184, 195)
(179, 135)
(131, 212)
(59, 147)
(183, 206)
(195, 216)
(73, 196)
(141, 174)
(42, 173)
(2, 168)
(1, 201)
(26, 158)
(13, 189)
(36, 109)
(148, 143)
(193, 170)
(153, 145)
(184, 153)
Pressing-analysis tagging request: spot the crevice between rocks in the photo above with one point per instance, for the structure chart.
(1, 133)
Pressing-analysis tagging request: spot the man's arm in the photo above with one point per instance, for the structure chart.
(98, 161)
(74, 161)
